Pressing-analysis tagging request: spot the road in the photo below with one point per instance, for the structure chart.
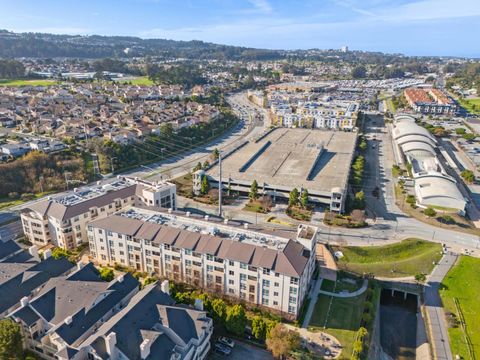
(434, 309)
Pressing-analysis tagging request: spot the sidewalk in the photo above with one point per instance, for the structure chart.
(313, 300)
(434, 309)
(347, 294)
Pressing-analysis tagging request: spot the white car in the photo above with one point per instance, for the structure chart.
(226, 341)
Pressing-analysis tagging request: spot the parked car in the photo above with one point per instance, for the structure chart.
(222, 349)
(226, 341)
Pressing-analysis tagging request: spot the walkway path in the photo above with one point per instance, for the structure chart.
(347, 294)
(434, 309)
(313, 300)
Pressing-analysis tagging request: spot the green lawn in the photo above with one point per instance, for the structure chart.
(141, 80)
(343, 320)
(7, 202)
(407, 258)
(470, 103)
(463, 283)
(39, 82)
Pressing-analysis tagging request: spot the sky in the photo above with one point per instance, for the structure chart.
(411, 27)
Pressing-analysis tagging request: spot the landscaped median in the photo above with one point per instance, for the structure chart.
(407, 258)
(460, 291)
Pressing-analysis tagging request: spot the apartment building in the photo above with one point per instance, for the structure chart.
(80, 316)
(62, 221)
(270, 269)
(431, 101)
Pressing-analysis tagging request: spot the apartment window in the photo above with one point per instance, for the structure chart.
(168, 257)
(75, 219)
(266, 271)
(243, 286)
(109, 233)
(291, 309)
(166, 247)
(104, 257)
(112, 252)
(85, 215)
(120, 244)
(188, 271)
(122, 253)
(243, 266)
(100, 231)
(292, 299)
(188, 262)
(276, 284)
(148, 261)
(148, 253)
(275, 293)
(243, 277)
(231, 291)
(209, 268)
(77, 228)
(110, 206)
(102, 209)
(231, 282)
(265, 292)
(275, 303)
(110, 243)
(231, 263)
(231, 272)
(265, 301)
(188, 252)
(294, 281)
(266, 283)
(210, 257)
(293, 290)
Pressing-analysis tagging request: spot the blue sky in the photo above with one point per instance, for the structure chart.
(412, 27)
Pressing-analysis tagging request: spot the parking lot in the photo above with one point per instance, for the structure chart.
(243, 351)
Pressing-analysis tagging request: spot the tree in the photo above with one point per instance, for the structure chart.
(215, 154)
(359, 201)
(259, 328)
(10, 340)
(236, 319)
(253, 194)
(219, 309)
(304, 198)
(197, 167)
(57, 253)
(430, 212)
(205, 186)
(281, 341)
(468, 176)
(293, 198)
(359, 72)
(107, 274)
(460, 131)
(206, 164)
(469, 136)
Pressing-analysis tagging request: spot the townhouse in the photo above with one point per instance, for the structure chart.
(62, 221)
(262, 268)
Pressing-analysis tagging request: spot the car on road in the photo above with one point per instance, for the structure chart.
(222, 349)
(226, 341)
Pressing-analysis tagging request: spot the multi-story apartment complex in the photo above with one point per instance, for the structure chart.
(62, 221)
(80, 316)
(431, 101)
(266, 269)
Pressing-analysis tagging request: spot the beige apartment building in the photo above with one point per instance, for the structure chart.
(62, 221)
(270, 269)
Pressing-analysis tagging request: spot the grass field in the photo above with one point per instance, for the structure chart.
(463, 283)
(343, 320)
(141, 80)
(472, 105)
(407, 258)
(40, 82)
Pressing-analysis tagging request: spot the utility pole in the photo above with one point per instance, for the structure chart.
(219, 184)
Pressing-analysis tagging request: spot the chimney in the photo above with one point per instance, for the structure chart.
(187, 214)
(80, 265)
(225, 221)
(75, 189)
(47, 253)
(145, 349)
(24, 301)
(199, 304)
(165, 287)
(170, 210)
(110, 342)
(68, 320)
(120, 278)
(245, 225)
(207, 217)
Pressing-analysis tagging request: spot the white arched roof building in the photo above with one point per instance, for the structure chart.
(433, 186)
(437, 191)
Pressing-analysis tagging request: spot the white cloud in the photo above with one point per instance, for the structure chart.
(262, 6)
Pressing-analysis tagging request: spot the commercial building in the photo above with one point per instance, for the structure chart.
(283, 159)
(263, 268)
(430, 101)
(62, 221)
(80, 316)
(433, 186)
(22, 274)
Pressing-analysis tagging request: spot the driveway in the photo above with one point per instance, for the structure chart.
(243, 351)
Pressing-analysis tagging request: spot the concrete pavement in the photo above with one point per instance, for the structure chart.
(313, 295)
(434, 309)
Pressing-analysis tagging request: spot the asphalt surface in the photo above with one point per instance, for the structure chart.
(434, 309)
(11, 231)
